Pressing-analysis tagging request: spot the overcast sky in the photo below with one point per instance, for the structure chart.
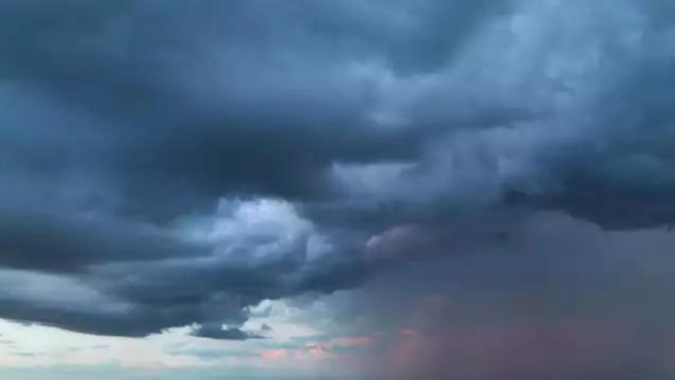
(382, 189)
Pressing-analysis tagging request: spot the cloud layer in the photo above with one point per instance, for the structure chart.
(167, 165)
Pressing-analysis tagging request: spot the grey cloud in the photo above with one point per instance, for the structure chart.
(221, 122)
(206, 141)
(256, 251)
(560, 299)
(64, 242)
(126, 124)
(219, 333)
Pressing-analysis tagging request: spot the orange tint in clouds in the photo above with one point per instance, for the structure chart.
(273, 354)
(328, 347)
(514, 349)
(320, 350)
(358, 341)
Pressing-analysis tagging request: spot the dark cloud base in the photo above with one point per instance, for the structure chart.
(164, 165)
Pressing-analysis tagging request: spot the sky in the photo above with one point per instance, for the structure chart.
(344, 189)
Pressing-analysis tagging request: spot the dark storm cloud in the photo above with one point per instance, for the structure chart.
(560, 298)
(229, 98)
(72, 242)
(312, 128)
(256, 251)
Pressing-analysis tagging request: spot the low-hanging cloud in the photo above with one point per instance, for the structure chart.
(179, 163)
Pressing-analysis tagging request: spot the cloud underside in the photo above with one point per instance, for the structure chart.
(558, 298)
(164, 165)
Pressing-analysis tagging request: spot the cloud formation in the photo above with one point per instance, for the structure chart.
(559, 298)
(164, 165)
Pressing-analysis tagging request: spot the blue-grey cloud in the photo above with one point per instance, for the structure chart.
(311, 129)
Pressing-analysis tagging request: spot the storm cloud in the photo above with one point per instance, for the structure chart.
(174, 164)
(555, 297)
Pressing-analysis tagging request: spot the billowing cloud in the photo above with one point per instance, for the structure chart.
(248, 252)
(166, 165)
(558, 298)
